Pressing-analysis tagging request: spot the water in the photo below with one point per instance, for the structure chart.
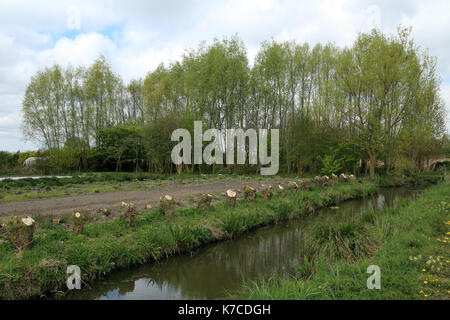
(214, 271)
(32, 177)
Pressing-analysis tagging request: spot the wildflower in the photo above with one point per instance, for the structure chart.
(425, 282)
(421, 291)
(425, 295)
(424, 270)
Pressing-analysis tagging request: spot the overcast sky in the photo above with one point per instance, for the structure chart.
(136, 36)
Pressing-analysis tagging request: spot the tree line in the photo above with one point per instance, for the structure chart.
(337, 109)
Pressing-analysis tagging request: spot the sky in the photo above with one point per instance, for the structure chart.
(136, 36)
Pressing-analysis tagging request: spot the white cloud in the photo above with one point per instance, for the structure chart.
(82, 50)
(136, 36)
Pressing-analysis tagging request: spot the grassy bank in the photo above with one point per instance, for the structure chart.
(113, 245)
(408, 243)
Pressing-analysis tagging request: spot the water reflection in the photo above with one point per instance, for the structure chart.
(215, 270)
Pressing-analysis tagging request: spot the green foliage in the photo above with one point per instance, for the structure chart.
(349, 240)
(330, 165)
(337, 105)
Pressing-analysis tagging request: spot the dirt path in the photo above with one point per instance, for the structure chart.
(186, 194)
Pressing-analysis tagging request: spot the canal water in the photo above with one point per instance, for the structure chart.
(214, 271)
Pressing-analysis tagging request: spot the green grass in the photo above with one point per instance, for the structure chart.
(407, 242)
(111, 245)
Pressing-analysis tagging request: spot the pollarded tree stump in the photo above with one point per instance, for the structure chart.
(293, 185)
(167, 203)
(343, 177)
(230, 198)
(130, 214)
(334, 178)
(306, 184)
(249, 193)
(21, 232)
(281, 191)
(318, 181)
(266, 191)
(325, 180)
(205, 201)
(104, 211)
(79, 221)
(352, 178)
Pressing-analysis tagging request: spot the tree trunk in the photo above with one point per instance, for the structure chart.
(373, 163)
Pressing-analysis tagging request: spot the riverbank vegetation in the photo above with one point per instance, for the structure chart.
(110, 245)
(371, 108)
(409, 243)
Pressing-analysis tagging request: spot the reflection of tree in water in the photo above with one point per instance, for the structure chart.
(216, 269)
(213, 270)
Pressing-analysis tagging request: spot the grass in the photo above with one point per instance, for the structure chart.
(409, 243)
(111, 245)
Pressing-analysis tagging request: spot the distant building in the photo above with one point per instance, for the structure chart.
(31, 161)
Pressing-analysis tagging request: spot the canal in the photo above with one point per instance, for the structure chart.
(216, 270)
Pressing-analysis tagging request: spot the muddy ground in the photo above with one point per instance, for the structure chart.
(186, 194)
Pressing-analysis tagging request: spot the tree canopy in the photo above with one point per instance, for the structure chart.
(336, 108)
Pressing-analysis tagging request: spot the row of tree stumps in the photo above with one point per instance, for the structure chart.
(167, 202)
(21, 230)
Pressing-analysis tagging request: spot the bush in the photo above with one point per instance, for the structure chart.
(349, 240)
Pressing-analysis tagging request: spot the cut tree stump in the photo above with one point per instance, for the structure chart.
(334, 178)
(293, 185)
(78, 220)
(343, 177)
(352, 178)
(104, 211)
(325, 180)
(281, 190)
(167, 203)
(266, 191)
(130, 214)
(21, 232)
(230, 198)
(204, 202)
(318, 181)
(306, 184)
(249, 193)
